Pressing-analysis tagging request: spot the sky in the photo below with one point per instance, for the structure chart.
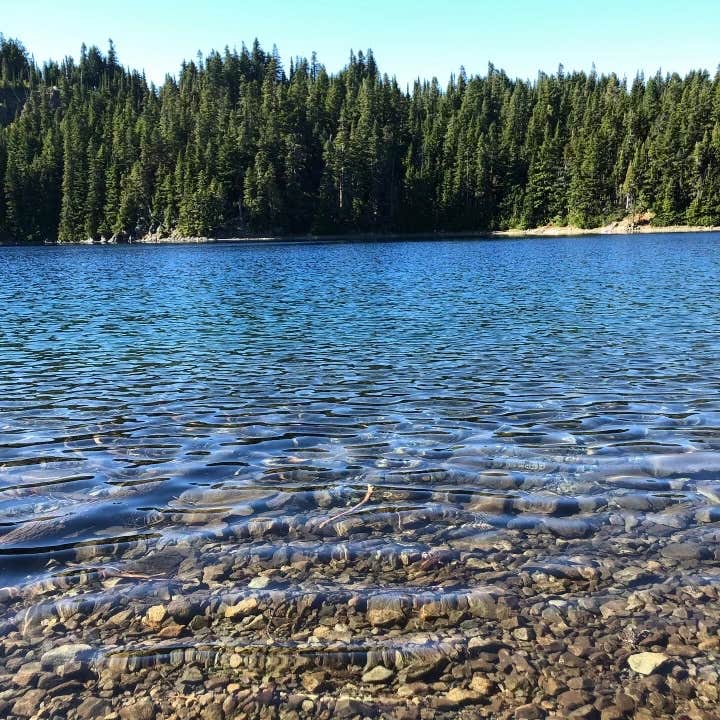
(410, 38)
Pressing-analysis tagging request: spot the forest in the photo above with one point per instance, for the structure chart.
(239, 143)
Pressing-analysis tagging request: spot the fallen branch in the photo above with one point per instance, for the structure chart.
(368, 495)
(127, 575)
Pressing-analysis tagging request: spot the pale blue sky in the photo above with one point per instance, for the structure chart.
(410, 38)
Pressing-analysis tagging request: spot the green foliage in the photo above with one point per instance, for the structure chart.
(15, 66)
(242, 143)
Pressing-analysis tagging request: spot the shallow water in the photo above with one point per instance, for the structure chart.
(349, 424)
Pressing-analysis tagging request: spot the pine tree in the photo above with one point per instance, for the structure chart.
(74, 180)
(4, 228)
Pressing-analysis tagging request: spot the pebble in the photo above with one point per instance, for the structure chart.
(213, 711)
(459, 697)
(191, 675)
(141, 710)
(259, 583)
(646, 663)
(173, 630)
(64, 653)
(381, 613)
(181, 609)
(214, 573)
(241, 609)
(572, 699)
(156, 614)
(683, 551)
(346, 707)
(29, 703)
(27, 674)
(586, 712)
(529, 712)
(93, 707)
(314, 682)
(378, 674)
(483, 685)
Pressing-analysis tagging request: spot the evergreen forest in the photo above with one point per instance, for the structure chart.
(240, 143)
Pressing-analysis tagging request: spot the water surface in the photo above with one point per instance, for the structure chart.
(351, 423)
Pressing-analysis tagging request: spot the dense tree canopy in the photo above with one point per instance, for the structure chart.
(238, 141)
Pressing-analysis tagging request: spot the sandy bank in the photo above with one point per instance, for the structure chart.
(622, 227)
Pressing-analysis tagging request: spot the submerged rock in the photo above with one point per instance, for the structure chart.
(646, 663)
(65, 653)
(683, 551)
(382, 611)
(243, 608)
(156, 615)
(29, 703)
(378, 674)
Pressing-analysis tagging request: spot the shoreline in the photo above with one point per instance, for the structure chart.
(548, 231)
(615, 228)
(622, 227)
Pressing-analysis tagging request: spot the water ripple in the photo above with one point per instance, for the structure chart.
(396, 431)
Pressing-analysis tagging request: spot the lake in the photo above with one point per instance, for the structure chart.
(338, 477)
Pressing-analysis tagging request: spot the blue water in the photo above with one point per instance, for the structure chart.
(561, 395)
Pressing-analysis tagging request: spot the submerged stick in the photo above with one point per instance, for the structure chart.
(368, 495)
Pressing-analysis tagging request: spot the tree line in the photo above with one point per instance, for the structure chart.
(238, 142)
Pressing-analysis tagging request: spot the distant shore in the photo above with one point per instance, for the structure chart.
(622, 227)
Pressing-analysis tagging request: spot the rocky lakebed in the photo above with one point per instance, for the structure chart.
(291, 607)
